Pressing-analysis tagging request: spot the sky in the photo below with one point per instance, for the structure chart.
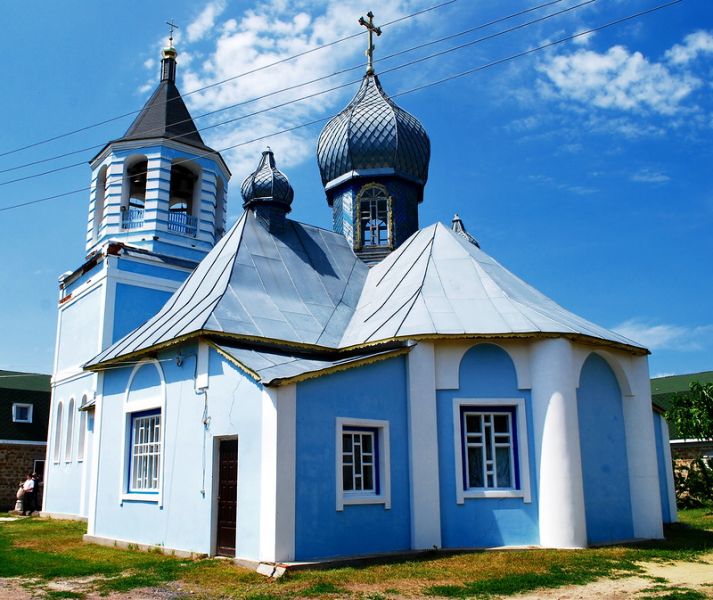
(583, 167)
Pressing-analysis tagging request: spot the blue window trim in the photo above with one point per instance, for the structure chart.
(377, 459)
(475, 408)
(137, 415)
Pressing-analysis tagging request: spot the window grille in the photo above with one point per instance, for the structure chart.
(145, 452)
(360, 461)
(489, 449)
(374, 216)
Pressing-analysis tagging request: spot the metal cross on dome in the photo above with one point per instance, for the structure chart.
(171, 27)
(371, 29)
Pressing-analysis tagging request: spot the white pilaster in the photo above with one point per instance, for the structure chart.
(96, 455)
(556, 428)
(277, 495)
(641, 453)
(668, 464)
(423, 448)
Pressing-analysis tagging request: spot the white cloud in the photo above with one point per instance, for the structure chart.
(618, 79)
(665, 336)
(205, 21)
(694, 44)
(268, 32)
(649, 176)
(150, 63)
(584, 39)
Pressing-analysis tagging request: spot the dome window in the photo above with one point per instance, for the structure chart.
(374, 216)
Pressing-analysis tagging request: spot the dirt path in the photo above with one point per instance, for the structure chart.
(697, 576)
(680, 576)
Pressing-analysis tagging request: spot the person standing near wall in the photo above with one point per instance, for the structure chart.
(28, 500)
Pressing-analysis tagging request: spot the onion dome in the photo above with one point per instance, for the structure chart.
(373, 136)
(267, 185)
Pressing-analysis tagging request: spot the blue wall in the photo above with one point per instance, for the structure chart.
(185, 519)
(134, 306)
(605, 469)
(663, 466)
(486, 371)
(375, 391)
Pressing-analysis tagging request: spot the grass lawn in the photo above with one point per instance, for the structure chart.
(41, 551)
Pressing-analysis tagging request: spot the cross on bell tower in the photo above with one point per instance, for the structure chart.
(171, 27)
(371, 29)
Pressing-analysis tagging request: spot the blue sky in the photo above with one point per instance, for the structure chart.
(583, 168)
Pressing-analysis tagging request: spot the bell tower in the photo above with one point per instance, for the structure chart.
(159, 187)
(157, 206)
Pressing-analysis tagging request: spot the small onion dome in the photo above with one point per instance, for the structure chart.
(373, 136)
(267, 185)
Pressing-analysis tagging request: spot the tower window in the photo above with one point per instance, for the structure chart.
(135, 193)
(374, 207)
(136, 175)
(182, 199)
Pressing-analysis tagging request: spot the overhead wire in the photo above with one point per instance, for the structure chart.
(408, 91)
(303, 84)
(325, 91)
(232, 78)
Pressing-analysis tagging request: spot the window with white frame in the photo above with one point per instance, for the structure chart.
(489, 448)
(363, 469)
(21, 413)
(57, 433)
(491, 459)
(82, 434)
(70, 431)
(145, 452)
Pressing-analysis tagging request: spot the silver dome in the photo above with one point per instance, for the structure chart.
(267, 184)
(372, 135)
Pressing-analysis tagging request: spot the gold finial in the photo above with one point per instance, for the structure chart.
(371, 29)
(171, 27)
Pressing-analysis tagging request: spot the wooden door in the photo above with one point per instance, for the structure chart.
(227, 497)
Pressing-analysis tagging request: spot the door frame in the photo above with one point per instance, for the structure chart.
(214, 492)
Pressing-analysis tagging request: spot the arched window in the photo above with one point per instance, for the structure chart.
(58, 433)
(99, 200)
(82, 433)
(70, 431)
(183, 197)
(134, 192)
(219, 208)
(374, 207)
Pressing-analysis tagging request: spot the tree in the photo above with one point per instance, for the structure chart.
(691, 414)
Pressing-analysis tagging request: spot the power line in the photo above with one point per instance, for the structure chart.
(334, 88)
(292, 87)
(411, 90)
(217, 83)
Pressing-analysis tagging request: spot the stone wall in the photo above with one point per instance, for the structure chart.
(16, 460)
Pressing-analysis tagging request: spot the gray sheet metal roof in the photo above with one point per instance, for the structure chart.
(303, 288)
(273, 368)
(296, 287)
(438, 283)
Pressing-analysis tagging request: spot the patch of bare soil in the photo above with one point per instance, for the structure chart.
(696, 576)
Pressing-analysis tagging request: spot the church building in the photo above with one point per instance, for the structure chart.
(278, 392)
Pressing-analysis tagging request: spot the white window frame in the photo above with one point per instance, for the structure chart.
(69, 434)
(521, 459)
(58, 419)
(82, 433)
(138, 403)
(17, 405)
(148, 455)
(381, 430)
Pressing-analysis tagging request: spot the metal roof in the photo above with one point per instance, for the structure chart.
(273, 368)
(372, 132)
(303, 288)
(298, 286)
(439, 283)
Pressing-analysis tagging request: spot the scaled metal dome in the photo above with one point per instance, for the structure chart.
(373, 136)
(267, 185)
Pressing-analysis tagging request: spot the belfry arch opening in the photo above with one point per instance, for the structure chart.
(135, 176)
(99, 202)
(374, 209)
(183, 200)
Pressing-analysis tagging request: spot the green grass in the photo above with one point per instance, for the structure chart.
(40, 551)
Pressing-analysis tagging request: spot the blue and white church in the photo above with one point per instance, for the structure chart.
(278, 392)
